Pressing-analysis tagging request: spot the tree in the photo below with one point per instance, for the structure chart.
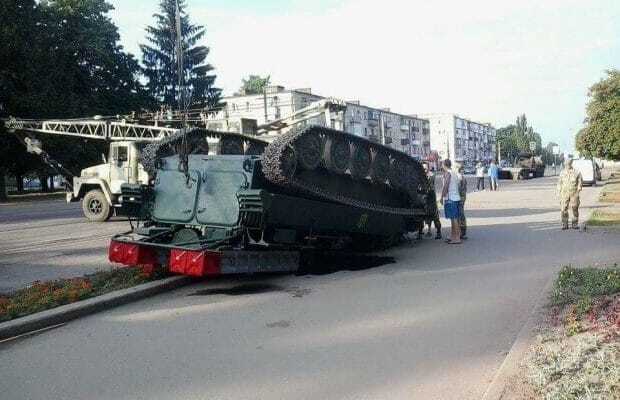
(63, 60)
(601, 135)
(254, 84)
(160, 64)
(515, 138)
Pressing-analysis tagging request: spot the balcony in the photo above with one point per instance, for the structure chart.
(372, 115)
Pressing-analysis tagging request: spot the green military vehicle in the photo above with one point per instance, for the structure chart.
(257, 206)
(526, 166)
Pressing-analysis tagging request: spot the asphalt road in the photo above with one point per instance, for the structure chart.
(435, 323)
(43, 240)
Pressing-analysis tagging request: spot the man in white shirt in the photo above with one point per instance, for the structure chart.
(479, 176)
(450, 199)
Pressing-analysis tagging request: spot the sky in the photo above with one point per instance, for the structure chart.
(484, 60)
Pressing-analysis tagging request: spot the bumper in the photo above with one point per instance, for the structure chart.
(200, 262)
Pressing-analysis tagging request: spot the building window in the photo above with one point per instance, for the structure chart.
(247, 106)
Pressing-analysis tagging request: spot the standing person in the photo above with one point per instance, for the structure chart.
(479, 176)
(493, 175)
(432, 213)
(450, 199)
(463, 195)
(569, 186)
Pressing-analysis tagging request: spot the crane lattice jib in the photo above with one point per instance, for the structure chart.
(93, 129)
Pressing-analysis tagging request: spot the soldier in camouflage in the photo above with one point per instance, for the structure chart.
(432, 213)
(569, 186)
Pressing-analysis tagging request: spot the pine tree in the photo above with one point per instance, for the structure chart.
(160, 65)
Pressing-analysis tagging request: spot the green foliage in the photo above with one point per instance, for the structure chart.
(160, 64)
(45, 295)
(601, 135)
(575, 285)
(254, 84)
(63, 60)
(516, 138)
(604, 218)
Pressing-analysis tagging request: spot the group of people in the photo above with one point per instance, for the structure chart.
(492, 172)
(453, 196)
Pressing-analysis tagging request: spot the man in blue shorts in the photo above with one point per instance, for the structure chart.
(450, 199)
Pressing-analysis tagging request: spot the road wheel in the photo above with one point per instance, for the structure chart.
(309, 150)
(360, 160)
(337, 154)
(96, 207)
(380, 166)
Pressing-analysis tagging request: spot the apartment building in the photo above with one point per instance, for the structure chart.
(460, 139)
(406, 133)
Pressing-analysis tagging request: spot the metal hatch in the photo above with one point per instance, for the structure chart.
(175, 197)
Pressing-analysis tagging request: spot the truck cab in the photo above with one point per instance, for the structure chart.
(99, 187)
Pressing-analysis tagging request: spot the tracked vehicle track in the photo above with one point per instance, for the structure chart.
(365, 162)
(230, 143)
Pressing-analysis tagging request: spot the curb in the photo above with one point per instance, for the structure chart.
(525, 338)
(68, 312)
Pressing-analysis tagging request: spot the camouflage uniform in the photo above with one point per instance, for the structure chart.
(463, 195)
(569, 186)
(432, 213)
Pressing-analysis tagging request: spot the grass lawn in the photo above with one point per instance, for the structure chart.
(578, 354)
(42, 296)
(611, 191)
(604, 218)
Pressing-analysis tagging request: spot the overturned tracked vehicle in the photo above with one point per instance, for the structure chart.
(252, 205)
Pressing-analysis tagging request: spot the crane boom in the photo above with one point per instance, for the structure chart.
(93, 129)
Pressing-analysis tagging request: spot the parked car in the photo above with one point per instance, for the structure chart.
(588, 170)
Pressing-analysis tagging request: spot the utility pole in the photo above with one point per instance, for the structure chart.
(499, 152)
(265, 103)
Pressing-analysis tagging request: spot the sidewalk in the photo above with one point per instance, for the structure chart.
(30, 197)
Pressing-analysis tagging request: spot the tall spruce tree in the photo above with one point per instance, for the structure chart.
(160, 64)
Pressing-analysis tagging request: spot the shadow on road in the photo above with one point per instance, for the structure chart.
(328, 263)
(240, 290)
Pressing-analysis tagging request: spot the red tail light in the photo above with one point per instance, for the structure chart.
(195, 263)
(131, 254)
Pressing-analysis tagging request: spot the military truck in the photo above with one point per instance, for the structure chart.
(310, 188)
(525, 166)
(531, 166)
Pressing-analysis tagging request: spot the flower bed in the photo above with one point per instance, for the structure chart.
(41, 296)
(578, 354)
